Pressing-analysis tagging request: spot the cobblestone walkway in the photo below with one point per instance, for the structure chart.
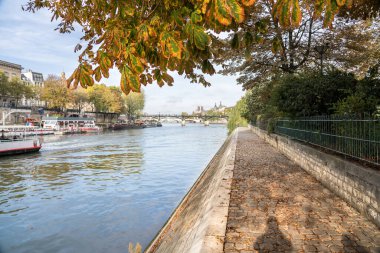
(275, 206)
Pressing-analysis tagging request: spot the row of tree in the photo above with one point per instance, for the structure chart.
(310, 94)
(99, 98)
(55, 95)
(15, 89)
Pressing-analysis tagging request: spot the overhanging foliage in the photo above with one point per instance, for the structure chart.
(145, 39)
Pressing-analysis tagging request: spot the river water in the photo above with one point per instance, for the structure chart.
(98, 192)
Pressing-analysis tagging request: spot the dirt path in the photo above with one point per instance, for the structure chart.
(276, 206)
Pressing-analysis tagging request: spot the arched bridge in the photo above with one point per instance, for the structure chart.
(184, 117)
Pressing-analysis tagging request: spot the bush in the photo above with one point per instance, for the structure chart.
(235, 118)
(362, 100)
(309, 94)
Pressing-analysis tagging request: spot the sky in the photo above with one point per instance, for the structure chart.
(29, 39)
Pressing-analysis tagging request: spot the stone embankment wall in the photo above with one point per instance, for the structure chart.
(198, 225)
(357, 185)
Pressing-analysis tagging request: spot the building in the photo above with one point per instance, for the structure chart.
(199, 111)
(220, 108)
(35, 78)
(11, 70)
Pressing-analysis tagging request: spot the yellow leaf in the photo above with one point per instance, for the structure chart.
(248, 2)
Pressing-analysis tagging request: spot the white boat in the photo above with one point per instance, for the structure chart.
(20, 130)
(70, 125)
(207, 123)
(13, 146)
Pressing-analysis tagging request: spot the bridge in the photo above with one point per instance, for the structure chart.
(6, 112)
(184, 117)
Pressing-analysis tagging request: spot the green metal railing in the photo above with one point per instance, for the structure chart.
(354, 137)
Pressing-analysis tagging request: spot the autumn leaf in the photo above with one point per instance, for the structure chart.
(207, 67)
(129, 81)
(170, 46)
(221, 12)
(236, 11)
(248, 2)
(196, 17)
(97, 73)
(276, 45)
(168, 34)
(197, 36)
(296, 13)
(82, 75)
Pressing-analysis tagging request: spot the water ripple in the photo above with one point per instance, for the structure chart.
(97, 193)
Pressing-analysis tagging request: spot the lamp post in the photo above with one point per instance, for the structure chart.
(321, 50)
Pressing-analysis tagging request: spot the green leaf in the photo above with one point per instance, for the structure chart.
(235, 41)
(276, 45)
(296, 13)
(207, 67)
(168, 78)
(236, 11)
(97, 74)
(143, 32)
(84, 72)
(129, 81)
(170, 46)
(221, 12)
(196, 17)
(197, 36)
(248, 39)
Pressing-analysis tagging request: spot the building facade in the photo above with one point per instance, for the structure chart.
(35, 78)
(12, 70)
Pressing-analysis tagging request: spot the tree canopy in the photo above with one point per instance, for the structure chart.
(145, 39)
(133, 104)
(105, 99)
(55, 93)
(15, 88)
(264, 49)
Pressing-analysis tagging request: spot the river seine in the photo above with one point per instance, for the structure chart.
(98, 192)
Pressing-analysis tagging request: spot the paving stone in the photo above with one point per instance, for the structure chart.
(275, 206)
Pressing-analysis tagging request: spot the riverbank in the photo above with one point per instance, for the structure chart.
(199, 222)
(273, 206)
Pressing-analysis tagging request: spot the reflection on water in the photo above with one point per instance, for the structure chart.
(97, 193)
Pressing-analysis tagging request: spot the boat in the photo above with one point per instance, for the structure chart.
(69, 131)
(207, 123)
(152, 123)
(122, 125)
(70, 125)
(90, 127)
(17, 144)
(21, 130)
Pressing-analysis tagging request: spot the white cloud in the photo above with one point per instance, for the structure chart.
(30, 40)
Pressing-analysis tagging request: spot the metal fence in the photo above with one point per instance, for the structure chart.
(354, 137)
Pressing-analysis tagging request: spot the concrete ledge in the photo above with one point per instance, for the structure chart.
(198, 225)
(357, 185)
